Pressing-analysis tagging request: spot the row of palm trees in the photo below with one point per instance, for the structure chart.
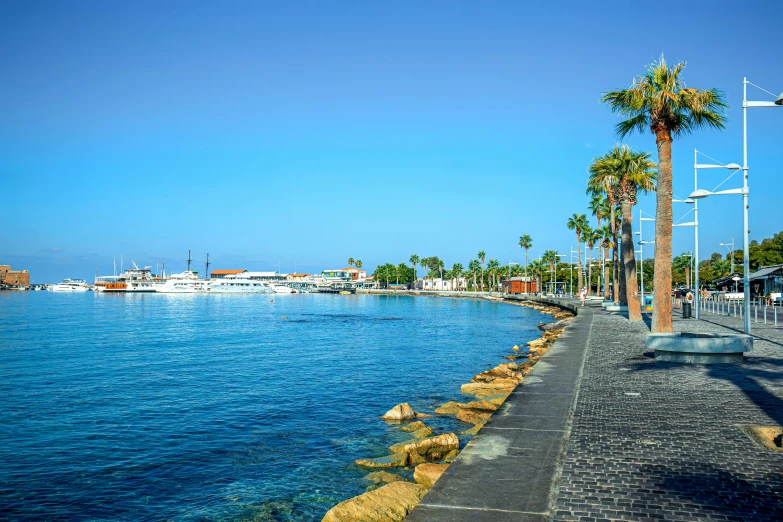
(658, 101)
(357, 263)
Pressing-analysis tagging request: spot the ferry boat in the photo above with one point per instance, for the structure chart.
(185, 283)
(133, 280)
(238, 285)
(71, 285)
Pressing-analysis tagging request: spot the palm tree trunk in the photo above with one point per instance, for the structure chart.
(606, 274)
(526, 283)
(579, 262)
(631, 287)
(590, 274)
(662, 306)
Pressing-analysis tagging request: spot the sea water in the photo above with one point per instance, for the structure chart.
(195, 407)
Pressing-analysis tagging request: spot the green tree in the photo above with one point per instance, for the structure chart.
(474, 267)
(537, 268)
(660, 102)
(550, 259)
(456, 273)
(577, 223)
(350, 261)
(358, 263)
(603, 180)
(481, 257)
(493, 266)
(525, 241)
(414, 261)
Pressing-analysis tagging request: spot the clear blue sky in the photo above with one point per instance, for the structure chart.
(308, 132)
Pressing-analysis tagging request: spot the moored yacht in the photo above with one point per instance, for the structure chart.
(283, 289)
(71, 285)
(238, 285)
(185, 283)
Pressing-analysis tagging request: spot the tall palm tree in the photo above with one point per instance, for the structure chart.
(659, 101)
(606, 243)
(350, 261)
(456, 270)
(481, 257)
(683, 262)
(414, 259)
(576, 223)
(636, 174)
(592, 237)
(525, 242)
(425, 264)
(493, 266)
(603, 179)
(358, 263)
(474, 266)
(550, 257)
(440, 265)
(537, 268)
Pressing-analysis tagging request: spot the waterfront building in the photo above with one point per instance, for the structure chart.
(271, 277)
(220, 274)
(298, 278)
(439, 284)
(14, 277)
(768, 280)
(519, 285)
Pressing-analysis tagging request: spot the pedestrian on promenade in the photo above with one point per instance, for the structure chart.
(582, 295)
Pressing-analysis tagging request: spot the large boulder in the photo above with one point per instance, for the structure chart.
(397, 460)
(432, 448)
(413, 426)
(390, 503)
(555, 326)
(428, 474)
(382, 477)
(473, 416)
(485, 389)
(400, 412)
(422, 433)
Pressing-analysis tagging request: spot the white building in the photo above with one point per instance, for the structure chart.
(439, 284)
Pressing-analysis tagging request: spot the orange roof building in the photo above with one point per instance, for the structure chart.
(218, 274)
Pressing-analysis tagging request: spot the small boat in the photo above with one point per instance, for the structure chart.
(283, 289)
(71, 285)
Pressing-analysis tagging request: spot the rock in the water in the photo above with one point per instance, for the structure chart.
(400, 412)
(559, 325)
(449, 408)
(433, 447)
(428, 474)
(475, 429)
(451, 456)
(484, 389)
(382, 477)
(484, 405)
(391, 502)
(422, 433)
(473, 416)
(413, 426)
(397, 460)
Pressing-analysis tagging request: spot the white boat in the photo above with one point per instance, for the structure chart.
(185, 283)
(238, 285)
(283, 289)
(71, 285)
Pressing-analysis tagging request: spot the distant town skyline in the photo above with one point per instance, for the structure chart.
(304, 134)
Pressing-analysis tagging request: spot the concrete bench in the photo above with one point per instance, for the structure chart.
(699, 348)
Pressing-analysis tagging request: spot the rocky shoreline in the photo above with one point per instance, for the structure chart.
(390, 497)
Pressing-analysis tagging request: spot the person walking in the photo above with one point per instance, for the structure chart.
(582, 295)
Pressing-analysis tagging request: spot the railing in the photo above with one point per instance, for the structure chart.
(735, 308)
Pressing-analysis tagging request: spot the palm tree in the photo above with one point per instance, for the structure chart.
(350, 261)
(683, 262)
(537, 268)
(440, 265)
(358, 263)
(603, 179)
(576, 223)
(592, 236)
(525, 242)
(482, 256)
(635, 173)
(493, 266)
(550, 257)
(456, 271)
(413, 260)
(659, 101)
(606, 243)
(474, 266)
(425, 264)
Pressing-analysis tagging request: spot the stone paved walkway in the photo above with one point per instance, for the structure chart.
(661, 441)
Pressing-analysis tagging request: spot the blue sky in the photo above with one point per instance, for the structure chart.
(310, 132)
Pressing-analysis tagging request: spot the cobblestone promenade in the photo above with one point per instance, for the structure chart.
(653, 440)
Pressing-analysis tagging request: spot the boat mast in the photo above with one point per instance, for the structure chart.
(206, 273)
(189, 260)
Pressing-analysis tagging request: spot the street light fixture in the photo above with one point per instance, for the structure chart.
(731, 252)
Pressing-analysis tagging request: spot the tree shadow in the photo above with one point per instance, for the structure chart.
(719, 492)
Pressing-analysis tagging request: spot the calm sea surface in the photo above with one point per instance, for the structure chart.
(192, 407)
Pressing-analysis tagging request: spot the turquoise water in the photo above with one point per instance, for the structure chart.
(191, 407)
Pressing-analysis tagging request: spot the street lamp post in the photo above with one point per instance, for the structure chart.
(701, 193)
(731, 252)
